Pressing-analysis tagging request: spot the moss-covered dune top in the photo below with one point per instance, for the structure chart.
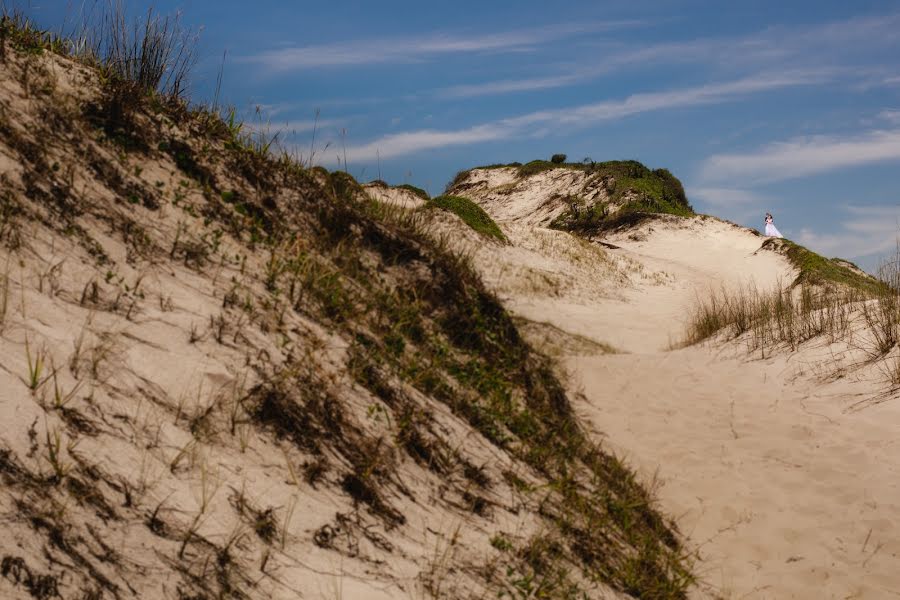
(816, 269)
(631, 190)
(471, 214)
(406, 186)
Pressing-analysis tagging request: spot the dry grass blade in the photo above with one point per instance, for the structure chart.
(36, 365)
(4, 297)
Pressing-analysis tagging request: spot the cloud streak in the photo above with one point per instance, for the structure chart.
(409, 49)
(653, 101)
(805, 156)
(770, 49)
(507, 86)
(891, 116)
(581, 116)
(869, 231)
(724, 197)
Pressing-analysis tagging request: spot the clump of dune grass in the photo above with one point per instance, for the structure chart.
(815, 269)
(882, 319)
(829, 298)
(785, 315)
(153, 53)
(867, 317)
(415, 190)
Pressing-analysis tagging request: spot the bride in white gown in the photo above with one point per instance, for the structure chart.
(771, 230)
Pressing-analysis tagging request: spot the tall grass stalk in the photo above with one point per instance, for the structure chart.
(153, 52)
(60, 398)
(54, 456)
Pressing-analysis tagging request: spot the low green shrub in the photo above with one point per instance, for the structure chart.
(816, 269)
(472, 214)
(415, 190)
(648, 192)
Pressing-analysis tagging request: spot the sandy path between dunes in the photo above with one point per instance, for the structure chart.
(784, 494)
(782, 491)
(677, 264)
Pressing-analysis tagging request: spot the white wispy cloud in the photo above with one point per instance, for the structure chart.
(867, 231)
(407, 49)
(814, 44)
(770, 49)
(580, 116)
(693, 96)
(891, 116)
(607, 60)
(507, 86)
(804, 156)
(400, 144)
(726, 197)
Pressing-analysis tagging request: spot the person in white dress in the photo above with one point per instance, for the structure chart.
(771, 230)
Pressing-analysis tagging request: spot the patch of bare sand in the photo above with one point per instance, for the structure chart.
(784, 493)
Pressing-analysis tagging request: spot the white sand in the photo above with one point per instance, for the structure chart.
(785, 486)
(772, 481)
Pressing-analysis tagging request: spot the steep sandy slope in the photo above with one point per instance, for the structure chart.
(783, 471)
(225, 375)
(535, 200)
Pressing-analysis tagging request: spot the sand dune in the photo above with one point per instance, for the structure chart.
(226, 375)
(222, 376)
(784, 490)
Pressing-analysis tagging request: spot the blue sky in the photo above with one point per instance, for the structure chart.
(787, 107)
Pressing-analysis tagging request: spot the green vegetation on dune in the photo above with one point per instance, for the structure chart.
(816, 269)
(406, 186)
(647, 192)
(636, 190)
(415, 190)
(472, 214)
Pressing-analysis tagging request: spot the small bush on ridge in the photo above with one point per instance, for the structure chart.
(472, 214)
